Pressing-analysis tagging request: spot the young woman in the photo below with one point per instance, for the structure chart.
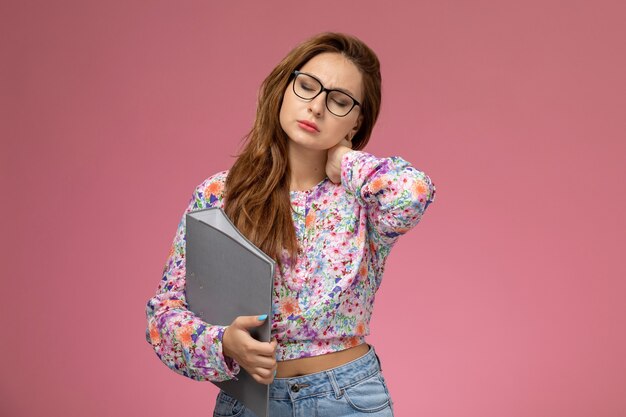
(328, 213)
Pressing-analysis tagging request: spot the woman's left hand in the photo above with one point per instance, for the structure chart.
(333, 163)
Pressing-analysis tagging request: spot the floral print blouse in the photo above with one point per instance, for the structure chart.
(324, 302)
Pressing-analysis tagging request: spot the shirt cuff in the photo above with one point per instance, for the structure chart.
(232, 368)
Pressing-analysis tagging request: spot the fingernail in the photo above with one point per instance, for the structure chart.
(262, 317)
(274, 372)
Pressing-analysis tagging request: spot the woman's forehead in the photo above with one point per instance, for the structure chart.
(335, 71)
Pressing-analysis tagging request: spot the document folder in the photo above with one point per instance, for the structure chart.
(227, 276)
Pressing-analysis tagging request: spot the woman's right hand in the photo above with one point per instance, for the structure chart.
(257, 358)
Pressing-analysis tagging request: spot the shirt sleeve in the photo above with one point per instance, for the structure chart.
(394, 193)
(185, 343)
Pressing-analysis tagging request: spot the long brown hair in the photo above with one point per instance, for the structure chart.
(257, 186)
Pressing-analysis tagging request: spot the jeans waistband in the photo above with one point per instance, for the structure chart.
(330, 380)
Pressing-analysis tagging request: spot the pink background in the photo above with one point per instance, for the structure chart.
(112, 112)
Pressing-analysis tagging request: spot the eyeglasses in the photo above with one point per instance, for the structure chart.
(307, 87)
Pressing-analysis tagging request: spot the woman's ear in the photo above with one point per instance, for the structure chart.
(356, 127)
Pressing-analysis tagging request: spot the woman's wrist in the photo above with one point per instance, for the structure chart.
(341, 152)
(225, 351)
(335, 155)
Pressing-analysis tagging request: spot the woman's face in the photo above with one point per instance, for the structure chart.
(308, 123)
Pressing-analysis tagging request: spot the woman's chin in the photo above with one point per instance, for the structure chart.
(309, 145)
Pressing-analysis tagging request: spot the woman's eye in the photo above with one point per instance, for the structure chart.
(307, 87)
(341, 103)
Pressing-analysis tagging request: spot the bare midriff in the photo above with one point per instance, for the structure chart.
(313, 364)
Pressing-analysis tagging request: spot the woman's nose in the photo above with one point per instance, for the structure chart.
(318, 104)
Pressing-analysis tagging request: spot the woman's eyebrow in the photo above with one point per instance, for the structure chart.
(344, 90)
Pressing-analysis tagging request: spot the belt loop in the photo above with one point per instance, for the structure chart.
(333, 383)
(378, 359)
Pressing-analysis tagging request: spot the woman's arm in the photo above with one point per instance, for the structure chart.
(394, 193)
(185, 343)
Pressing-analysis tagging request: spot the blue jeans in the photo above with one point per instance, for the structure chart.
(356, 388)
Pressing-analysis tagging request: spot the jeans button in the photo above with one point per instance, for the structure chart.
(295, 388)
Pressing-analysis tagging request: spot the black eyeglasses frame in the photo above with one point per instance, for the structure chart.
(295, 74)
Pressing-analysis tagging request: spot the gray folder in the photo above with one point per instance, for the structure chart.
(227, 276)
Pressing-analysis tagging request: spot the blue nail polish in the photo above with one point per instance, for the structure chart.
(262, 317)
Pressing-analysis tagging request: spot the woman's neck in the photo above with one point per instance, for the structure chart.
(308, 167)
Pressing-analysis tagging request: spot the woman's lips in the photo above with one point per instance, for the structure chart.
(308, 126)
